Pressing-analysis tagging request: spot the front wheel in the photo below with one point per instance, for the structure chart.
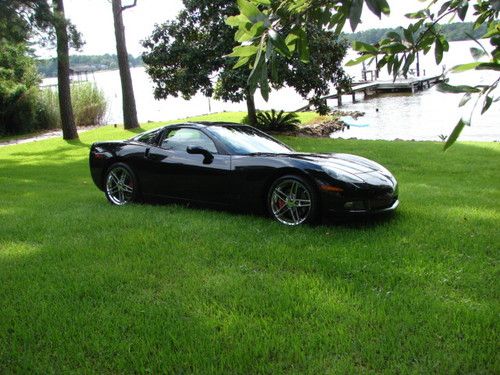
(292, 200)
(121, 185)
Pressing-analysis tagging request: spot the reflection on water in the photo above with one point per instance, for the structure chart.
(423, 116)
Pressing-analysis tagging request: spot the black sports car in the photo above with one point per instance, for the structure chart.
(239, 166)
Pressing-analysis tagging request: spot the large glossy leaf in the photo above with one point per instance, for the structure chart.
(488, 100)
(465, 99)
(462, 10)
(438, 51)
(250, 10)
(445, 87)
(279, 43)
(454, 134)
(489, 66)
(355, 13)
(359, 60)
(302, 45)
(264, 83)
(244, 51)
(465, 67)
(477, 53)
(363, 47)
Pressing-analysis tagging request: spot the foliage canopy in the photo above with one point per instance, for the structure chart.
(188, 55)
(262, 33)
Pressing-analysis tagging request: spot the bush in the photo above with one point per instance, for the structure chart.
(277, 121)
(89, 104)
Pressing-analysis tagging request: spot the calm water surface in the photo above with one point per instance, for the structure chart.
(422, 116)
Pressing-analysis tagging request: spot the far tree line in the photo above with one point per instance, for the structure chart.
(48, 67)
(453, 32)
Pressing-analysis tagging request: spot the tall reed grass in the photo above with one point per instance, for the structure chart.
(89, 104)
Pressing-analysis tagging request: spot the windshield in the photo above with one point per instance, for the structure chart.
(243, 140)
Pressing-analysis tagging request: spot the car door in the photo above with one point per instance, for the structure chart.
(178, 174)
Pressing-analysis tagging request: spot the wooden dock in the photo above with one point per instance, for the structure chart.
(377, 87)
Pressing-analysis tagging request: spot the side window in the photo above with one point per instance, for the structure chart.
(148, 137)
(180, 139)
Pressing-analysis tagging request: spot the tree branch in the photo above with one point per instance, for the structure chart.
(129, 6)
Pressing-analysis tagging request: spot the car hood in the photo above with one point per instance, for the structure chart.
(367, 170)
(347, 163)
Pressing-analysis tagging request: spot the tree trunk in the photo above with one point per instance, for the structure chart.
(129, 109)
(65, 106)
(252, 113)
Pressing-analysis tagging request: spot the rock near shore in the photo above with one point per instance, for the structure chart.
(324, 126)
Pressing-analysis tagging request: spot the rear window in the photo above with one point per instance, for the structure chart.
(148, 137)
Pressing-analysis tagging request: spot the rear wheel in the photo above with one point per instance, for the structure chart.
(120, 185)
(292, 200)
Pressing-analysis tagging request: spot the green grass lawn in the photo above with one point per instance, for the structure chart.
(87, 287)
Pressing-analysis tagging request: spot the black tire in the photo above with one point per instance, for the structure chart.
(120, 185)
(286, 207)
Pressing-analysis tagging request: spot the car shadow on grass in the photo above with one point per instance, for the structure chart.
(354, 221)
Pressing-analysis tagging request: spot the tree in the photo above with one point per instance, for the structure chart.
(262, 33)
(187, 55)
(63, 81)
(128, 102)
(30, 19)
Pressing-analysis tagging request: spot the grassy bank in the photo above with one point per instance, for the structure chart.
(87, 287)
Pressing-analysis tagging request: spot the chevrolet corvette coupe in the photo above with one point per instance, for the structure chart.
(238, 166)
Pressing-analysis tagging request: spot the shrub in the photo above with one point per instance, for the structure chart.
(89, 104)
(277, 121)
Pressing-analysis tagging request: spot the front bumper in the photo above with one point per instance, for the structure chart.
(366, 211)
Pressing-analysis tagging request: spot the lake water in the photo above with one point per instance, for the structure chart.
(422, 116)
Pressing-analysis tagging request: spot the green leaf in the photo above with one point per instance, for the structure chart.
(416, 15)
(291, 41)
(444, 87)
(279, 43)
(264, 83)
(254, 76)
(438, 51)
(487, 103)
(244, 51)
(302, 45)
(454, 134)
(394, 35)
(363, 47)
(263, 2)
(394, 48)
(359, 60)
(464, 67)
(465, 99)
(489, 66)
(462, 10)
(355, 13)
(378, 7)
(250, 10)
(408, 35)
(236, 21)
(444, 8)
(477, 53)
(241, 61)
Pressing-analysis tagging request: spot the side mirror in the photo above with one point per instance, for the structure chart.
(208, 157)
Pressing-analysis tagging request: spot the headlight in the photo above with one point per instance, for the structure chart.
(341, 175)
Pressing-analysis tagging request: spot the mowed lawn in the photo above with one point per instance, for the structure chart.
(86, 287)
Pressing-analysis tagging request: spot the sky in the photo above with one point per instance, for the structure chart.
(94, 20)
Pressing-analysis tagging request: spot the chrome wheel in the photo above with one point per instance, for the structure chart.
(291, 202)
(120, 186)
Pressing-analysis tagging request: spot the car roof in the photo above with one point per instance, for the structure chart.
(203, 124)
